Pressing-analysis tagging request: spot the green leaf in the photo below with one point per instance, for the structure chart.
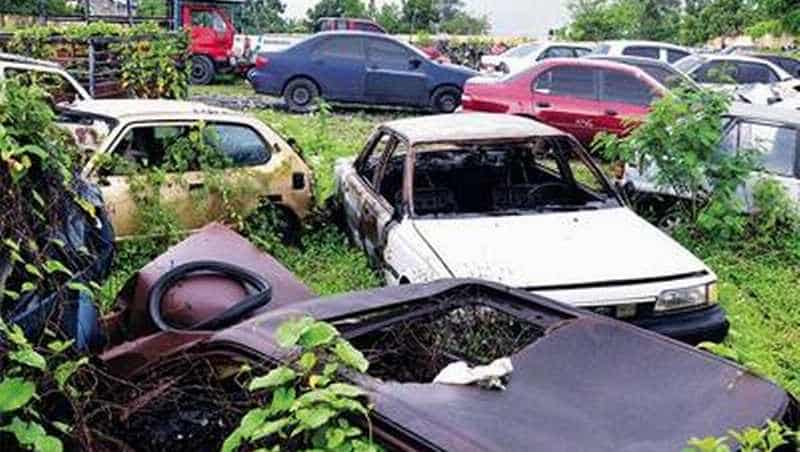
(315, 417)
(320, 333)
(276, 377)
(59, 346)
(269, 428)
(28, 286)
(48, 444)
(78, 287)
(66, 370)
(282, 400)
(53, 266)
(26, 432)
(15, 393)
(346, 390)
(33, 271)
(29, 357)
(351, 356)
(307, 361)
(289, 332)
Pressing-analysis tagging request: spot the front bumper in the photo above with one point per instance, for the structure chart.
(692, 327)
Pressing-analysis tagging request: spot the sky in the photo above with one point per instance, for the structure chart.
(508, 17)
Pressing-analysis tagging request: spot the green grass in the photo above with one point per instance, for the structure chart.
(758, 291)
(228, 85)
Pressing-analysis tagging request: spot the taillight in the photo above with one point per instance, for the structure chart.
(261, 61)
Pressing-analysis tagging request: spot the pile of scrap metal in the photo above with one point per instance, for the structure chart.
(612, 385)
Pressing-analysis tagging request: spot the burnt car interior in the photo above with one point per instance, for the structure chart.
(413, 342)
(544, 174)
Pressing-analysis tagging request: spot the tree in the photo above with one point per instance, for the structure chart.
(660, 19)
(260, 16)
(335, 8)
(450, 9)
(390, 18)
(420, 15)
(464, 24)
(597, 20)
(152, 8)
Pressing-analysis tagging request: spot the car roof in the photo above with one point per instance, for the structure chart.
(14, 58)
(126, 108)
(461, 127)
(570, 379)
(626, 43)
(770, 113)
(362, 33)
(629, 59)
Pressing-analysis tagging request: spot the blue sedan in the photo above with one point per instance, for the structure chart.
(358, 67)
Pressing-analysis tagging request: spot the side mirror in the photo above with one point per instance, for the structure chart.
(414, 63)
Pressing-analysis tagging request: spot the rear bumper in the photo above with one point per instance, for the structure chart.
(693, 327)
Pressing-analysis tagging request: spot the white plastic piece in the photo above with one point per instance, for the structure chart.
(459, 373)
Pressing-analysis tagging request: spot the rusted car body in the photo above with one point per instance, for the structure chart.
(580, 381)
(515, 201)
(263, 168)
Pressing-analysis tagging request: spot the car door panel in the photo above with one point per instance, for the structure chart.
(565, 97)
(625, 97)
(339, 66)
(391, 77)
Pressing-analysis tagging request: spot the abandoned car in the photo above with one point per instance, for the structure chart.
(124, 139)
(772, 132)
(61, 86)
(512, 200)
(610, 385)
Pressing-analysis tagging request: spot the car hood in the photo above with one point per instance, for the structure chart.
(556, 249)
(463, 70)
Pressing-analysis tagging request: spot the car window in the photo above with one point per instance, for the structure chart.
(390, 179)
(153, 146)
(689, 64)
(675, 55)
(542, 174)
(777, 146)
(716, 72)
(581, 51)
(618, 86)
(241, 144)
(340, 47)
(366, 26)
(643, 51)
(387, 54)
(567, 81)
(369, 163)
(667, 76)
(522, 51)
(601, 49)
(218, 23)
(58, 87)
(558, 52)
(754, 73)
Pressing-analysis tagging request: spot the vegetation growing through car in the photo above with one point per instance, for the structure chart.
(767, 439)
(311, 406)
(36, 173)
(679, 144)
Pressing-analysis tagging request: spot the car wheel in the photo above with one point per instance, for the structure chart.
(446, 99)
(502, 67)
(250, 74)
(301, 95)
(202, 70)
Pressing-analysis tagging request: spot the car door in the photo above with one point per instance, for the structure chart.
(624, 97)
(777, 147)
(338, 64)
(358, 184)
(379, 210)
(395, 74)
(566, 97)
(124, 184)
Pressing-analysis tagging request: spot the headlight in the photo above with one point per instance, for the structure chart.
(673, 299)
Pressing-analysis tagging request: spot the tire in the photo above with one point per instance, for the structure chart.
(446, 99)
(301, 95)
(202, 70)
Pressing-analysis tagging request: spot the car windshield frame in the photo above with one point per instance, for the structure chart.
(688, 64)
(610, 196)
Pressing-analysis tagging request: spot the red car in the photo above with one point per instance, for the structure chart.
(581, 97)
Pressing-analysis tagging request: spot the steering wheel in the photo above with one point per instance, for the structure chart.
(551, 188)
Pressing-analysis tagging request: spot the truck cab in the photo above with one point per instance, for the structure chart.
(211, 34)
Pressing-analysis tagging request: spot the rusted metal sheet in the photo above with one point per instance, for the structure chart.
(133, 334)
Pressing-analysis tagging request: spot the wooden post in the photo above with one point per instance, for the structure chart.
(92, 80)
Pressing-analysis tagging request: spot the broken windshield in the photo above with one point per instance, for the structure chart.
(543, 174)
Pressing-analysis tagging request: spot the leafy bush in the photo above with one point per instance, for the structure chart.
(311, 404)
(678, 146)
(767, 439)
(152, 60)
